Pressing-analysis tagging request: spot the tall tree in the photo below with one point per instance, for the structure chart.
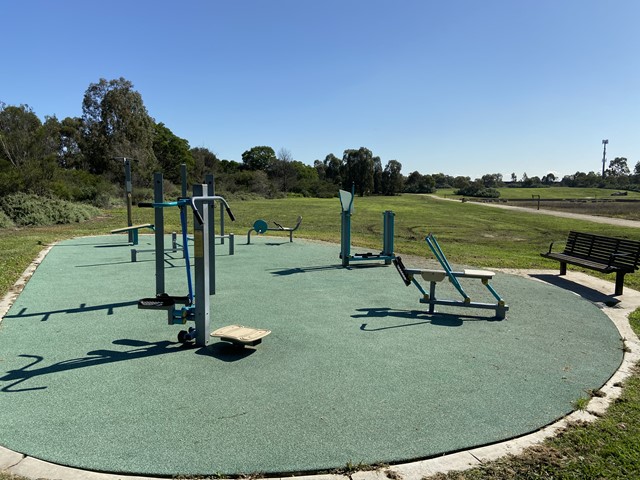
(259, 158)
(205, 162)
(70, 154)
(359, 170)
(618, 167)
(283, 170)
(18, 134)
(333, 169)
(171, 151)
(116, 124)
(392, 180)
(378, 182)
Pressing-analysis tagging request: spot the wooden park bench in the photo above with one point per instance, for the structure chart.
(600, 253)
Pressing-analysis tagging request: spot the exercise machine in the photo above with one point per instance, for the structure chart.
(433, 276)
(196, 304)
(131, 230)
(386, 255)
(260, 227)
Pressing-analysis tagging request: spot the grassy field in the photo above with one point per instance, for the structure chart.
(470, 234)
(552, 193)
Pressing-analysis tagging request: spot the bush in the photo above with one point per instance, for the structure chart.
(5, 222)
(27, 209)
(478, 190)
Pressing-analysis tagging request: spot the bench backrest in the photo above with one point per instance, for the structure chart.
(600, 248)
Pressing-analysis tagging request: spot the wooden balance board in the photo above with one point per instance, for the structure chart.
(240, 334)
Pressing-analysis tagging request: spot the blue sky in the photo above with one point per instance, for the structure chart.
(463, 87)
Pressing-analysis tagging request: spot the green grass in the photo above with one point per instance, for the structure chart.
(469, 234)
(550, 192)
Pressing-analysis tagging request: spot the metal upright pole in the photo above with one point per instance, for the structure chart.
(604, 155)
(201, 265)
(128, 192)
(158, 197)
(183, 177)
(209, 180)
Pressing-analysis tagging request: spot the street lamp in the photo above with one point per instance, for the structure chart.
(604, 155)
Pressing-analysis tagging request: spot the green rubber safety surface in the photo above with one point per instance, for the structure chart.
(354, 370)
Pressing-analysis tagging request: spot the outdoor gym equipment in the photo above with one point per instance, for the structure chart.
(346, 200)
(196, 304)
(260, 227)
(131, 230)
(159, 246)
(435, 276)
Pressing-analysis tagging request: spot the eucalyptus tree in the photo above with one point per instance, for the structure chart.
(171, 151)
(392, 180)
(358, 170)
(19, 127)
(333, 169)
(117, 124)
(283, 171)
(204, 161)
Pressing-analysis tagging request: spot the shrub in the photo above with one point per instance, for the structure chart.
(476, 189)
(5, 222)
(27, 209)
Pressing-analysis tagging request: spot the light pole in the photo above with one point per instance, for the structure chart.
(604, 155)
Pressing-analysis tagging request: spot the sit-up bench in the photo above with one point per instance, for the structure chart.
(432, 276)
(260, 226)
(133, 231)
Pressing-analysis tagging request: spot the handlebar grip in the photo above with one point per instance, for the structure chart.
(199, 218)
(231, 215)
(196, 212)
(145, 205)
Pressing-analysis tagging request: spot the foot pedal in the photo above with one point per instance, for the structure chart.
(161, 302)
(241, 335)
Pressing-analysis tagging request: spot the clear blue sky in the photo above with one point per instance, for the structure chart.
(463, 87)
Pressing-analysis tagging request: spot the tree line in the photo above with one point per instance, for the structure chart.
(76, 159)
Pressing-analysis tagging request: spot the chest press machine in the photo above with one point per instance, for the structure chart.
(196, 304)
(435, 276)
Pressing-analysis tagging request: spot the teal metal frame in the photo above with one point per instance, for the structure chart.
(388, 233)
(196, 311)
(408, 276)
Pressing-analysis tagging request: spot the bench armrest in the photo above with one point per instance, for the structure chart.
(553, 243)
(613, 256)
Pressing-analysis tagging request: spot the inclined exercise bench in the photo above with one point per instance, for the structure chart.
(260, 227)
(435, 276)
(600, 253)
(133, 231)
